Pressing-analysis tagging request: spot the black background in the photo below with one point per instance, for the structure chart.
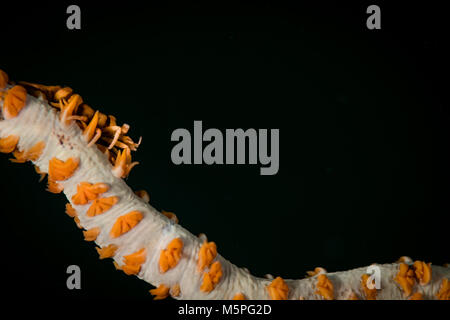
(363, 118)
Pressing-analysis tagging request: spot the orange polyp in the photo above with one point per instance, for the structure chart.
(316, 271)
(4, 79)
(130, 143)
(134, 261)
(212, 277)
(33, 154)
(175, 290)
(87, 192)
(120, 165)
(98, 134)
(131, 269)
(416, 296)
(405, 278)
(207, 285)
(49, 91)
(71, 212)
(91, 234)
(101, 205)
(9, 143)
(161, 292)
(54, 187)
(15, 100)
(137, 257)
(107, 252)
(77, 221)
(278, 289)
(89, 132)
(170, 215)
(114, 143)
(206, 254)
(169, 257)
(239, 296)
(117, 131)
(143, 195)
(125, 223)
(69, 108)
(371, 294)
(59, 170)
(63, 93)
(325, 287)
(444, 290)
(123, 164)
(422, 271)
(406, 285)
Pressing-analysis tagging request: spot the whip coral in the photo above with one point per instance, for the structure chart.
(86, 155)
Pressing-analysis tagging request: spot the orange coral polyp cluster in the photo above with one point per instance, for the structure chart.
(125, 223)
(59, 170)
(87, 192)
(54, 187)
(101, 205)
(422, 271)
(407, 276)
(212, 277)
(278, 289)
(133, 262)
(161, 292)
(107, 252)
(325, 287)
(206, 254)
(444, 290)
(170, 256)
(15, 100)
(91, 234)
(9, 143)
